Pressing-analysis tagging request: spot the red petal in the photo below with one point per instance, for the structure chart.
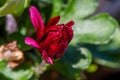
(49, 39)
(70, 23)
(46, 57)
(53, 49)
(36, 18)
(31, 42)
(70, 32)
(40, 34)
(65, 35)
(54, 28)
(61, 50)
(69, 29)
(53, 21)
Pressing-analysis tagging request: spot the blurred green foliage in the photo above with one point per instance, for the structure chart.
(15, 7)
(24, 72)
(96, 37)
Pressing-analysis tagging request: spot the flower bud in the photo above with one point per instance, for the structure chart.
(51, 40)
(17, 56)
(12, 54)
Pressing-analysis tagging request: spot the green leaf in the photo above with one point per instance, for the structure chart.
(15, 7)
(107, 63)
(78, 9)
(57, 7)
(110, 58)
(96, 30)
(73, 61)
(79, 58)
(114, 44)
(3, 63)
(67, 70)
(23, 72)
(85, 62)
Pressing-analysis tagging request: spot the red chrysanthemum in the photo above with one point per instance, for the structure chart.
(52, 39)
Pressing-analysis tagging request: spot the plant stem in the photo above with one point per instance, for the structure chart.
(41, 68)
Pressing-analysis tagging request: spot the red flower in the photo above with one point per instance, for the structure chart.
(51, 40)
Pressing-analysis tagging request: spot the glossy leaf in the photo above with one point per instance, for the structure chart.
(15, 7)
(79, 9)
(73, 61)
(84, 62)
(110, 58)
(96, 30)
(79, 58)
(20, 73)
(114, 44)
(107, 63)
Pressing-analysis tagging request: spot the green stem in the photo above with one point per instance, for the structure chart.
(41, 68)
